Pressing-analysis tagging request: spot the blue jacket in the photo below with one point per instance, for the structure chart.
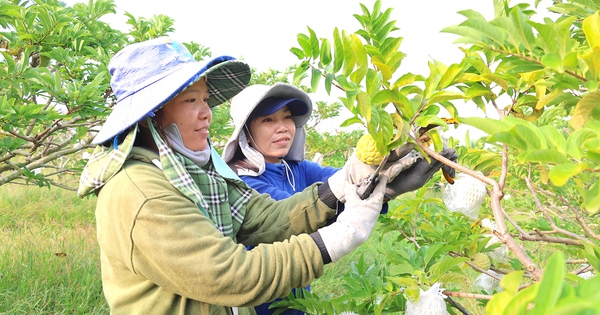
(275, 183)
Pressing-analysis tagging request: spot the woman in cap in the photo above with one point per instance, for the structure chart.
(267, 149)
(172, 218)
(267, 146)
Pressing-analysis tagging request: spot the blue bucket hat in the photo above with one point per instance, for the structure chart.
(146, 75)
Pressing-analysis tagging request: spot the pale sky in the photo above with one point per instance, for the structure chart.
(261, 32)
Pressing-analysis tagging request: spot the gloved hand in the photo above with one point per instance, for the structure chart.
(420, 173)
(355, 172)
(354, 225)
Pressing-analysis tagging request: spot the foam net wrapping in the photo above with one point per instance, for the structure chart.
(465, 195)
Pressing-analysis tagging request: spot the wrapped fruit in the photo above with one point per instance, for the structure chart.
(366, 150)
(465, 195)
(499, 254)
(486, 283)
(430, 302)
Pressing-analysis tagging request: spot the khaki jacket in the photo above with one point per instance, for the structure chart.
(160, 255)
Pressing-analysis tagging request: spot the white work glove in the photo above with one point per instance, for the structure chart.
(355, 172)
(354, 225)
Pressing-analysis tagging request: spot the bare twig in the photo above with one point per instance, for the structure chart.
(548, 217)
(467, 295)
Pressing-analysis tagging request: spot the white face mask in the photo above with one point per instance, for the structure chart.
(173, 135)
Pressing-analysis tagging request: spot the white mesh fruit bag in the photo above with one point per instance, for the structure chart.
(430, 302)
(499, 254)
(486, 283)
(465, 195)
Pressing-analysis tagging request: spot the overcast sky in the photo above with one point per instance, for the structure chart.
(262, 31)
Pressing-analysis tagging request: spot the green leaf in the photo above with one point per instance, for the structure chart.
(487, 125)
(351, 121)
(445, 265)
(575, 142)
(584, 108)
(304, 42)
(478, 89)
(547, 34)
(511, 139)
(592, 254)
(300, 72)
(349, 55)
(315, 78)
(424, 121)
(314, 43)
(297, 52)
(511, 281)
(325, 55)
(442, 96)
(591, 200)
(523, 29)
(561, 173)
(432, 252)
(469, 34)
(550, 285)
(543, 156)
(338, 51)
(520, 302)
(364, 105)
(362, 64)
(591, 29)
(492, 34)
(553, 62)
(554, 139)
(528, 132)
(449, 75)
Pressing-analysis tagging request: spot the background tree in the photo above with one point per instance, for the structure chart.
(536, 87)
(55, 83)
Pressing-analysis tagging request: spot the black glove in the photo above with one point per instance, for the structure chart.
(419, 174)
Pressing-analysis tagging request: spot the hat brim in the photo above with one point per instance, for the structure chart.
(250, 98)
(226, 77)
(296, 106)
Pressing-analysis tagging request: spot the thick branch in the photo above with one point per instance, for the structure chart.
(495, 197)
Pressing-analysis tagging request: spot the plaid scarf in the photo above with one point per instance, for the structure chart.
(222, 199)
(224, 203)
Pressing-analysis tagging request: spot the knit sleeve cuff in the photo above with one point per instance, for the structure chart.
(327, 196)
(319, 241)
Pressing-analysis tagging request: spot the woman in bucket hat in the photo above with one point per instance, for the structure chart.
(172, 218)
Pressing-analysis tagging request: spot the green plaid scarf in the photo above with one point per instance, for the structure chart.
(221, 199)
(224, 203)
(104, 163)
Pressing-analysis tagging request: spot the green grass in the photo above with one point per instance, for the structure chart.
(48, 253)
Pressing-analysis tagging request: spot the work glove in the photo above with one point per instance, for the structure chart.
(354, 225)
(355, 172)
(419, 174)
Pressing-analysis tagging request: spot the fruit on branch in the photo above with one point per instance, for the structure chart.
(481, 260)
(366, 150)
